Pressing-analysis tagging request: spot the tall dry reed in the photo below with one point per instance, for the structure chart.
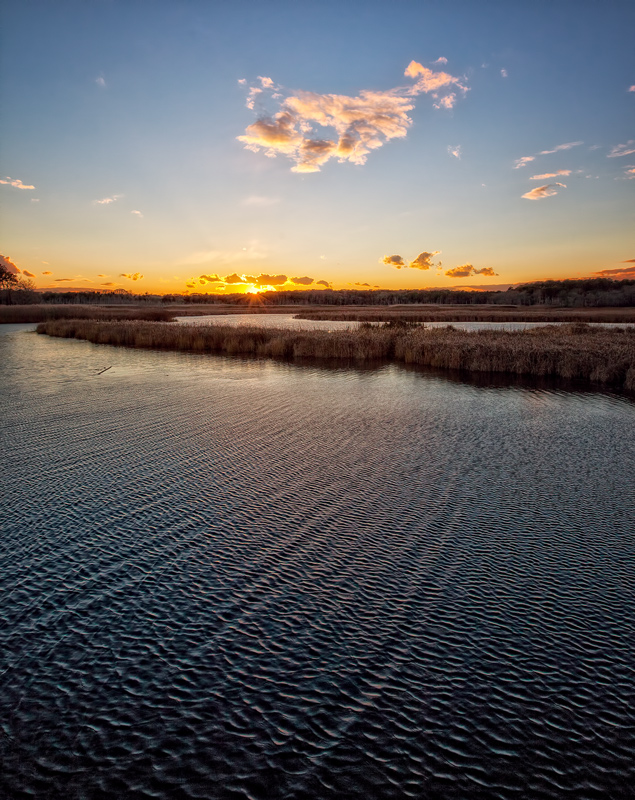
(43, 313)
(604, 355)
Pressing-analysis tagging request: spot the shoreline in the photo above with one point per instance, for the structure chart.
(602, 356)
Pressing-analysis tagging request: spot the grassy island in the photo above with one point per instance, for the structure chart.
(602, 355)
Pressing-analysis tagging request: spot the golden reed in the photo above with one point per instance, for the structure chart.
(603, 355)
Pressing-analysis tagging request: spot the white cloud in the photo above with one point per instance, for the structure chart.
(17, 183)
(504, 73)
(137, 213)
(455, 151)
(101, 81)
(548, 190)
(107, 200)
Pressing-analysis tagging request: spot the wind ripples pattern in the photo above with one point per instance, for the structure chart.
(245, 579)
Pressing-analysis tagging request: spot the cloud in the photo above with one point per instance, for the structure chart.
(629, 261)
(28, 274)
(267, 280)
(323, 283)
(361, 124)
(619, 150)
(504, 73)
(16, 182)
(260, 200)
(302, 281)
(630, 172)
(548, 190)
(455, 151)
(61, 280)
(138, 213)
(548, 175)
(631, 88)
(35, 199)
(106, 200)
(394, 261)
(523, 161)
(557, 148)
(209, 279)
(441, 60)
(6, 262)
(110, 283)
(363, 284)
(233, 279)
(101, 81)
(47, 273)
(626, 272)
(465, 270)
(136, 276)
(424, 260)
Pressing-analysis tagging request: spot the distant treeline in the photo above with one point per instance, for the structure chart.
(583, 293)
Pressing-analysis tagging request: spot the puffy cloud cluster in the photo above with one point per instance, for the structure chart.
(548, 190)
(305, 281)
(361, 124)
(135, 276)
(16, 182)
(466, 270)
(209, 279)
(422, 261)
(263, 280)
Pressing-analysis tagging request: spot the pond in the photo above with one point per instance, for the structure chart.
(225, 577)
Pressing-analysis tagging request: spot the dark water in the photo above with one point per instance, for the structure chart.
(244, 579)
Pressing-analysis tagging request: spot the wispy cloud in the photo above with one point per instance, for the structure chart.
(524, 160)
(622, 149)
(260, 200)
(455, 151)
(107, 200)
(559, 147)
(624, 272)
(547, 175)
(101, 81)
(630, 172)
(135, 276)
(109, 283)
(548, 190)
(136, 213)
(28, 274)
(16, 182)
(631, 88)
(63, 280)
(465, 270)
(504, 72)
(47, 273)
(361, 124)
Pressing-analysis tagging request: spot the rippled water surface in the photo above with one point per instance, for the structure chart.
(245, 579)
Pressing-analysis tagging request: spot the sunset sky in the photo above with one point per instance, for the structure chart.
(214, 146)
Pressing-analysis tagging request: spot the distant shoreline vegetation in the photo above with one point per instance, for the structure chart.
(580, 293)
(605, 356)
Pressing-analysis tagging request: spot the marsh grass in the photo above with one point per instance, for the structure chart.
(42, 313)
(603, 355)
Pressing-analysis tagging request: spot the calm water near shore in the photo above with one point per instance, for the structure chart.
(239, 578)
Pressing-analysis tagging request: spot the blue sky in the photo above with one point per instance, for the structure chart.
(139, 104)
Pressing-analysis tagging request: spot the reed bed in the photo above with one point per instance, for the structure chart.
(605, 356)
(43, 313)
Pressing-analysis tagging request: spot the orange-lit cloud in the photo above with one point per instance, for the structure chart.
(622, 149)
(548, 190)
(362, 124)
(209, 279)
(625, 272)
(110, 283)
(233, 279)
(630, 172)
(267, 280)
(394, 261)
(548, 175)
(62, 280)
(465, 270)
(47, 273)
(424, 260)
(28, 274)
(323, 283)
(523, 161)
(6, 262)
(302, 281)
(16, 182)
(136, 276)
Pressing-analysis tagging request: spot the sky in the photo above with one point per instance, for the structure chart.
(218, 147)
